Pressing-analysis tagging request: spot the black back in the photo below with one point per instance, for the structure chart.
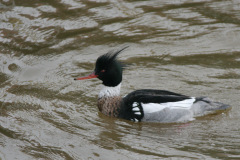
(153, 96)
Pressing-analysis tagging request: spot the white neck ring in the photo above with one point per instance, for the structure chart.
(110, 91)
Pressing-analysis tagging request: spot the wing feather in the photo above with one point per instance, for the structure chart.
(148, 101)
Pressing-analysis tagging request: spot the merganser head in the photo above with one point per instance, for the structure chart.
(108, 69)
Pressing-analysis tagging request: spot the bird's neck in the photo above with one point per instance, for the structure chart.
(110, 101)
(110, 91)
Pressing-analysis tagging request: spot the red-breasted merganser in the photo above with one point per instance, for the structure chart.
(145, 104)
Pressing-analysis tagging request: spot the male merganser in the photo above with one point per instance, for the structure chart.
(145, 104)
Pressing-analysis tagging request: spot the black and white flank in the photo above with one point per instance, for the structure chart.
(145, 104)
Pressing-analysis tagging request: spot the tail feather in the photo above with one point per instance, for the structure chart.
(202, 105)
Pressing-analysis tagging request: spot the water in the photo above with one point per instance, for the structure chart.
(189, 47)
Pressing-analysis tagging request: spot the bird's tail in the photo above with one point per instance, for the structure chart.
(204, 105)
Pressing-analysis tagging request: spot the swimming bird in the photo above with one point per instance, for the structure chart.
(144, 104)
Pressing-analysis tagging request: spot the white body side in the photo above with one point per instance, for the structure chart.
(156, 107)
(169, 112)
(181, 111)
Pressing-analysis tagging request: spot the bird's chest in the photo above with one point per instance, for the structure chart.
(110, 106)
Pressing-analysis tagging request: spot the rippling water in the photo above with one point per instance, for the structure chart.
(186, 46)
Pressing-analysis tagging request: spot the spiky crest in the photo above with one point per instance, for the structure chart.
(109, 58)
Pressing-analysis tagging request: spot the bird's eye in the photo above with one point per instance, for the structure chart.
(103, 71)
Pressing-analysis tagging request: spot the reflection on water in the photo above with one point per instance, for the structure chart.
(189, 47)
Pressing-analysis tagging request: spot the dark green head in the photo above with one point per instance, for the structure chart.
(108, 69)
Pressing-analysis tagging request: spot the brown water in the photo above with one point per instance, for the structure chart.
(186, 46)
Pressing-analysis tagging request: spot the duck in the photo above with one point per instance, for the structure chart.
(150, 105)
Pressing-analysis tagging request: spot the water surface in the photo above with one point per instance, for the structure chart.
(189, 47)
